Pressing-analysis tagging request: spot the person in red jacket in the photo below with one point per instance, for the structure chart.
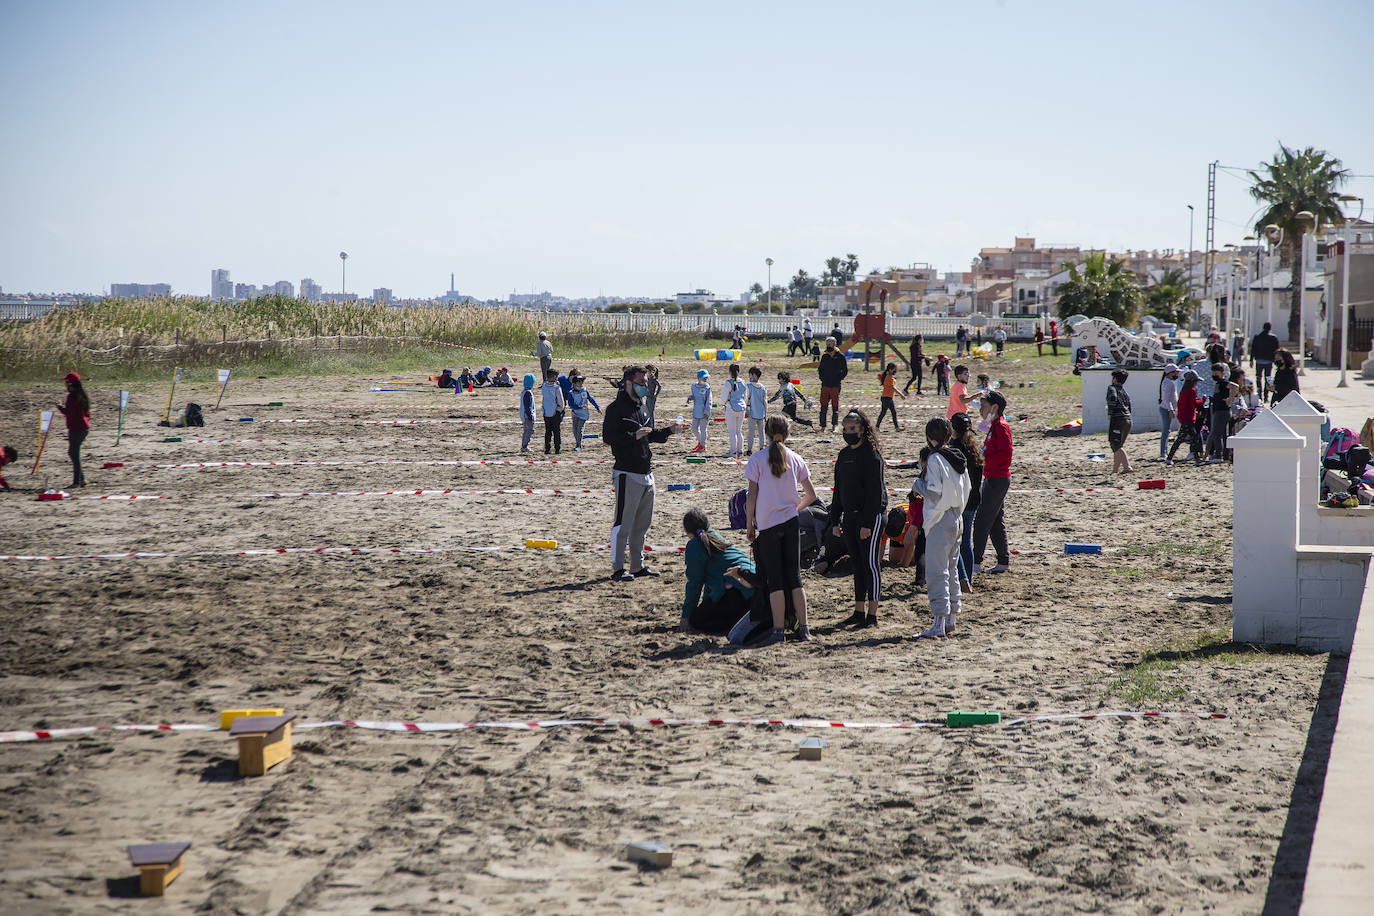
(8, 454)
(77, 410)
(1188, 406)
(989, 520)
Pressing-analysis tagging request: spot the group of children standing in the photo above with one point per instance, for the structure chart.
(558, 395)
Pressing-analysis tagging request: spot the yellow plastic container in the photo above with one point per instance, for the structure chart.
(540, 544)
(227, 717)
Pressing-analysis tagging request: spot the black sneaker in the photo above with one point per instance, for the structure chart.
(770, 638)
(870, 620)
(855, 619)
(622, 575)
(644, 571)
(803, 634)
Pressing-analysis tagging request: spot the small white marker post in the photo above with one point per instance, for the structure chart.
(44, 424)
(176, 377)
(123, 409)
(223, 384)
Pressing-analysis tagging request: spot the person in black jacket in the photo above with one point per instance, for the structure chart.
(858, 510)
(832, 369)
(967, 442)
(627, 430)
(1263, 347)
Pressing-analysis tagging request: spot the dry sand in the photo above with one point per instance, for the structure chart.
(1104, 815)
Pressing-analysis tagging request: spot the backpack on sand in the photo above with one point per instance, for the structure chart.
(739, 515)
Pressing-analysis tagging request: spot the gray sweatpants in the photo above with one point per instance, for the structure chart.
(752, 425)
(942, 564)
(527, 435)
(634, 512)
(700, 426)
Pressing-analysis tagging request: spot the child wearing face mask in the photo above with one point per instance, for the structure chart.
(944, 485)
(700, 399)
(858, 511)
(578, 399)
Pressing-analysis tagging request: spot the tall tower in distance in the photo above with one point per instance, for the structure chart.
(220, 285)
(450, 284)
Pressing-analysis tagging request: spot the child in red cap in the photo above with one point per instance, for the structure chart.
(7, 455)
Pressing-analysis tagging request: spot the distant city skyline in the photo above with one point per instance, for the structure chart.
(636, 149)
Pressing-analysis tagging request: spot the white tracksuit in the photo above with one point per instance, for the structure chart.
(945, 492)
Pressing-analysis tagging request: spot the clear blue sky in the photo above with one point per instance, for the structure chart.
(638, 148)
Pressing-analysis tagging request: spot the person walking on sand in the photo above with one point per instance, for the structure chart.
(944, 486)
(989, 520)
(789, 394)
(627, 431)
(755, 408)
(888, 379)
(733, 394)
(917, 369)
(832, 369)
(1189, 408)
(544, 350)
(1263, 347)
(859, 510)
(578, 399)
(775, 473)
(967, 443)
(1118, 421)
(77, 411)
(806, 335)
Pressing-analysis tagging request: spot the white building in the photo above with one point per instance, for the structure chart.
(696, 297)
(381, 295)
(284, 288)
(310, 290)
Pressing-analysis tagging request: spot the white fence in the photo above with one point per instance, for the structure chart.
(903, 326)
(27, 311)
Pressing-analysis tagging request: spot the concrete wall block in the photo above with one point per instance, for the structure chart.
(1325, 644)
(1329, 607)
(1339, 630)
(1310, 587)
(1280, 629)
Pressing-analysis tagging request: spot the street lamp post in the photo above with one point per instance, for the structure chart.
(343, 274)
(1308, 222)
(1191, 266)
(1275, 236)
(1345, 286)
(769, 262)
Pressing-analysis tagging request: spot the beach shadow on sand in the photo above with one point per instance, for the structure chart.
(564, 587)
(1289, 873)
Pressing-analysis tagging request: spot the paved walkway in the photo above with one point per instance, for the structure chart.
(1348, 406)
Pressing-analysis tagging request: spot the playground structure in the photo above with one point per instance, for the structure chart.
(871, 327)
(1121, 348)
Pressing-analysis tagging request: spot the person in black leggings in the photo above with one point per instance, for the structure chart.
(859, 509)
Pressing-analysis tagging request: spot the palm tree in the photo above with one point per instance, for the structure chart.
(1104, 289)
(1294, 182)
(1168, 296)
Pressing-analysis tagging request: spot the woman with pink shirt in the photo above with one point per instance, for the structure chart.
(775, 473)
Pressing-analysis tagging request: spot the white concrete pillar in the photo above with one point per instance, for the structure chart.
(1264, 561)
(1305, 420)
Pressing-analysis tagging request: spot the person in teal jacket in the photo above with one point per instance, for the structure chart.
(712, 603)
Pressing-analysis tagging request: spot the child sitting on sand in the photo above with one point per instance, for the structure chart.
(502, 378)
(446, 379)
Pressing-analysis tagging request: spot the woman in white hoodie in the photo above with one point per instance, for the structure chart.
(944, 486)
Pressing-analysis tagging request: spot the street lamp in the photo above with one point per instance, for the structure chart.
(1230, 295)
(1274, 234)
(769, 262)
(1308, 222)
(343, 273)
(1345, 285)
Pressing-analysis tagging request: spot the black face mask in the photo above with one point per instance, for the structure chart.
(852, 438)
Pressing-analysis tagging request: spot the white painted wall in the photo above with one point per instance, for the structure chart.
(1143, 387)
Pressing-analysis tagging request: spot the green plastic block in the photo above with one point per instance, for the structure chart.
(696, 460)
(172, 439)
(958, 718)
(276, 403)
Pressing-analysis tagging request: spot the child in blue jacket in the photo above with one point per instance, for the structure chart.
(527, 413)
(578, 399)
(701, 401)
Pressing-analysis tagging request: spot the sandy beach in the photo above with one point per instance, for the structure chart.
(1123, 815)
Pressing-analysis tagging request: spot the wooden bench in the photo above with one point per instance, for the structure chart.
(158, 865)
(264, 742)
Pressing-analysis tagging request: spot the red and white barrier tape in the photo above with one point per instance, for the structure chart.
(361, 462)
(383, 422)
(495, 492)
(11, 737)
(284, 551)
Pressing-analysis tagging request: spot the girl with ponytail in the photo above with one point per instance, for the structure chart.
(774, 476)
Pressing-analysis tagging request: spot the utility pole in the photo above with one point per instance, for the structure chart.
(1192, 277)
(1211, 229)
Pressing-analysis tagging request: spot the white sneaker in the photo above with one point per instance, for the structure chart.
(936, 630)
(999, 568)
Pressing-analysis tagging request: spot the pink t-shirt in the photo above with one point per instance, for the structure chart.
(777, 499)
